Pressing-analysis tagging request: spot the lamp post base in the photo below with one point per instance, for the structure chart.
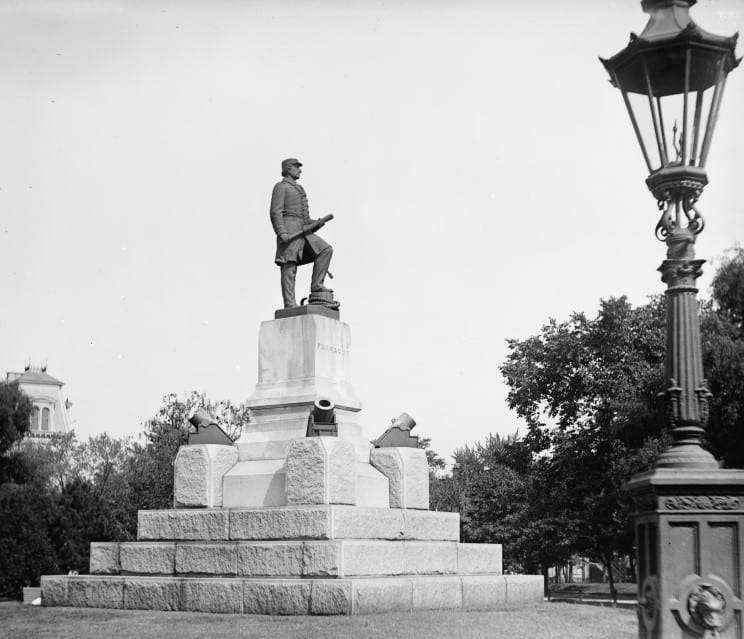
(687, 456)
(690, 545)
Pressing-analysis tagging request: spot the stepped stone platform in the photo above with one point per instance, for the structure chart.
(285, 523)
(358, 596)
(330, 559)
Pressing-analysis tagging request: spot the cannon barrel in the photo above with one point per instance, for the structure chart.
(324, 411)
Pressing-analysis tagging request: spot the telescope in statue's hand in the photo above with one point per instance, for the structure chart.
(310, 228)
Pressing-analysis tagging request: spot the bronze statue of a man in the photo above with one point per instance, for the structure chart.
(289, 213)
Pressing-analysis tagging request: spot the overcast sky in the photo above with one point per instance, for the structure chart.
(482, 172)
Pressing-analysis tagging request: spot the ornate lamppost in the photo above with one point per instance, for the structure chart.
(690, 514)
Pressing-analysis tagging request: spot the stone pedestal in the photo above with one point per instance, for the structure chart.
(301, 525)
(407, 472)
(198, 474)
(321, 470)
(301, 359)
(690, 547)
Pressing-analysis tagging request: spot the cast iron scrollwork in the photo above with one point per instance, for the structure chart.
(695, 222)
(670, 208)
(666, 223)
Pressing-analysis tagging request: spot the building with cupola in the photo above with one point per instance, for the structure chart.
(49, 413)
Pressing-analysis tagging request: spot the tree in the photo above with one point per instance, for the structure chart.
(151, 465)
(106, 464)
(513, 496)
(55, 461)
(722, 334)
(71, 493)
(728, 287)
(590, 374)
(587, 389)
(434, 461)
(26, 550)
(80, 517)
(15, 413)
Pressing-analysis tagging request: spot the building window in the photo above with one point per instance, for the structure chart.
(35, 418)
(45, 419)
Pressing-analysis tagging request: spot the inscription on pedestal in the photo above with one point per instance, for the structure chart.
(343, 350)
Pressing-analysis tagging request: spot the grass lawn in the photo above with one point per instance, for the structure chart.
(542, 621)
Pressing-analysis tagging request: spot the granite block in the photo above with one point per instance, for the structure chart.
(211, 595)
(86, 591)
(321, 470)
(191, 477)
(440, 593)
(431, 526)
(407, 472)
(416, 475)
(276, 598)
(197, 474)
(381, 595)
(174, 525)
(351, 522)
(104, 558)
(524, 588)
(223, 458)
(270, 559)
(310, 522)
(206, 559)
(373, 488)
(255, 484)
(430, 557)
(321, 558)
(306, 472)
(54, 590)
(330, 597)
(342, 471)
(151, 594)
(389, 463)
(479, 558)
(483, 592)
(372, 558)
(147, 558)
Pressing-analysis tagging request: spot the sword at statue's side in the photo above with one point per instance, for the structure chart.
(311, 228)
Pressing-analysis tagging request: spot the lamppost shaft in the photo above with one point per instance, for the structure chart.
(687, 393)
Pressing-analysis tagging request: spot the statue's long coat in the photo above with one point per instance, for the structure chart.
(289, 213)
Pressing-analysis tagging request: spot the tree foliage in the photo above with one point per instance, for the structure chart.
(728, 287)
(70, 493)
(722, 333)
(26, 550)
(588, 391)
(15, 412)
(165, 433)
(435, 463)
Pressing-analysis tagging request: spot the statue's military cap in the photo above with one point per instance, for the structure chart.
(290, 162)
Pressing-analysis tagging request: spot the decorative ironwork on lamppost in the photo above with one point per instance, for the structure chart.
(672, 78)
